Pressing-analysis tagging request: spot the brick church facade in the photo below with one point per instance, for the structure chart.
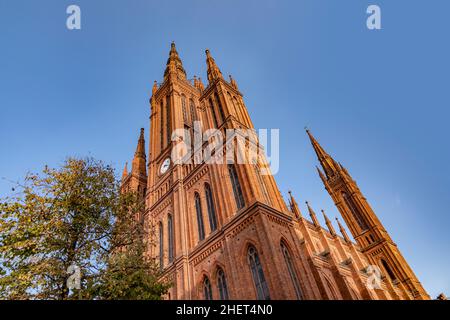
(223, 231)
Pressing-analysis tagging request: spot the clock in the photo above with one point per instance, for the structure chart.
(165, 166)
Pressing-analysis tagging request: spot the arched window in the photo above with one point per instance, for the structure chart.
(388, 270)
(161, 246)
(168, 122)
(184, 108)
(192, 111)
(262, 291)
(262, 184)
(237, 190)
(161, 117)
(219, 106)
(171, 237)
(222, 284)
(213, 112)
(207, 292)
(291, 270)
(211, 208)
(351, 206)
(198, 209)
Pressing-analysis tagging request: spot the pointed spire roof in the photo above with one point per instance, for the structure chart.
(328, 223)
(213, 70)
(294, 206)
(233, 82)
(140, 149)
(138, 166)
(125, 171)
(326, 161)
(174, 63)
(343, 232)
(312, 214)
(155, 87)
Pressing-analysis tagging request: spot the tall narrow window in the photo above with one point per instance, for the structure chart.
(192, 111)
(161, 246)
(237, 190)
(222, 284)
(211, 208)
(262, 291)
(184, 109)
(198, 209)
(213, 112)
(171, 237)
(161, 117)
(219, 106)
(262, 184)
(388, 270)
(291, 270)
(351, 206)
(168, 122)
(207, 292)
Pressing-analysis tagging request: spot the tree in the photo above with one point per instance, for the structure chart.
(75, 215)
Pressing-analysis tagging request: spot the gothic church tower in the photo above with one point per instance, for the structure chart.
(223, 230)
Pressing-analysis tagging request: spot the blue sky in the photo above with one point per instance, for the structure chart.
(376, 100)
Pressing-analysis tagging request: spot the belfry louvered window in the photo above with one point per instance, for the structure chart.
(351, 206)
(213, 113)
(168, 122)
(184, 109)
(220, 107)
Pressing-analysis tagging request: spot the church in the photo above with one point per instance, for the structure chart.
(223, 230)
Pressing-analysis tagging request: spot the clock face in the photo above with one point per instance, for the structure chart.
(165, 166)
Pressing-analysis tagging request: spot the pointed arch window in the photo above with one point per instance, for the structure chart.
(168, 122)
(388, 270)
(262, 291)
(262, 184)
(192, 111)
(237, 190)
(198, 209)
(219, 106)
(171, 237)
(207, 292)
(161, 117)
(161, 246)
(291, 270)
(351, 206)
(184, 108)
(213, 113)
(211, 209)
(222, 284)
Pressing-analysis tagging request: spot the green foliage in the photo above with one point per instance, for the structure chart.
(75, 215)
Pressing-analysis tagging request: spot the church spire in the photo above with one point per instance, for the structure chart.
(313, 216)
(139, 161)
(174, 64)
(213, 70)
(326, 161)
(343, 232)
(125, 171)
(294, 206)
(328, 223)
